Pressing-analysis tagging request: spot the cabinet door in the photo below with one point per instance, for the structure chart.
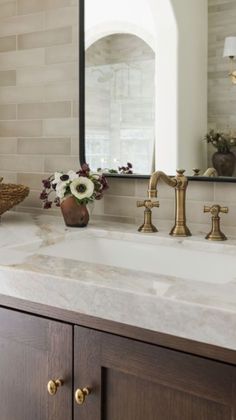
(33, 351)
(131, 380)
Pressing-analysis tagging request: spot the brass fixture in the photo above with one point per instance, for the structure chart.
(147, 226)
(196, 171)
(53, 386)
(216, 234)
(211, 172)
(81, 394)
(179, 183)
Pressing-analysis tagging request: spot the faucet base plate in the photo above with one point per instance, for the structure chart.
(180, 231)
(148, 228)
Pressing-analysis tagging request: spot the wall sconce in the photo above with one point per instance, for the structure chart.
(230, 52)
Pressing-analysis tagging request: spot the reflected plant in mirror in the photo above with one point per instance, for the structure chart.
(223, 160)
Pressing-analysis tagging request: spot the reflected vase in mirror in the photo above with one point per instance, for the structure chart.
(223, 160)
(224, 163)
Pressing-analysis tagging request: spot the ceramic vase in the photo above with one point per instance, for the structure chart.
(224, 163)
(74, 214)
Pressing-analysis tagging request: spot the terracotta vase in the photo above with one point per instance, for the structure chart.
(224, 163)
(74, 214)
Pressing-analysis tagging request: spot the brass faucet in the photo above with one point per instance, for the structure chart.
(179, 183)
(215, 233)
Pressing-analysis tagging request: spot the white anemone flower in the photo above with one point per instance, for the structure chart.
(82, 188)
(57, 178)
(61, 189)
(95, 175)
(72, 175)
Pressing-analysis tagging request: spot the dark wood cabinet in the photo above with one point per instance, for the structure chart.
(129, 379)
(34, 350)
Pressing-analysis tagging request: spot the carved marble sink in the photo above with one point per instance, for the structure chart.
(185, 258)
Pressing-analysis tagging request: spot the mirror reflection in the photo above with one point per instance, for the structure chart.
(160, 86)
(120, 117)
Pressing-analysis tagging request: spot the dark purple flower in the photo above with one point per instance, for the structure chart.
(57, 202)
(130, 166)
(47, 205)
(43, 195)
(46, 183)
(85, 167)
(104, 183)
(84, 171)
(99, 196)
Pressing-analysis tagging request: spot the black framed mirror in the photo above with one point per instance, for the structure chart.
(143, 102)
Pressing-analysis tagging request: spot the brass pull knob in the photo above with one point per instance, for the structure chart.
(81, 394)
(53, 386)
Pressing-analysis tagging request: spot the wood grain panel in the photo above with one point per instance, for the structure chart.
(33, 351)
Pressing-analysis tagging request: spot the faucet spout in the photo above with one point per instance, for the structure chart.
(179, 183)
(154, 179)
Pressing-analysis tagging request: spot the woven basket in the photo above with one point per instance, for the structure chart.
(11, 195)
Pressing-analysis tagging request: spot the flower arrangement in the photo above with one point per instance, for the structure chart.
(85, 186)
(222, 142)
(122, 170)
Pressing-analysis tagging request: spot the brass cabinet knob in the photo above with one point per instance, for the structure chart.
(53, 386)
(81, 394)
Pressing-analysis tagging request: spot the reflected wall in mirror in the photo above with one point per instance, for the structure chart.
(120, 106)
(147, 67)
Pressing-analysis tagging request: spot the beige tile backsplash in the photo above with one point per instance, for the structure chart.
(8, 43)
(39, 109)
(38, 89)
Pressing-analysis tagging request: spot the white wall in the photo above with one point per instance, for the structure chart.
(177, 31)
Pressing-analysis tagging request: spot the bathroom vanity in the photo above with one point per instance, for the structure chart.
(110, 341)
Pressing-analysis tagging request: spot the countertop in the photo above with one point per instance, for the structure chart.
(203, 310)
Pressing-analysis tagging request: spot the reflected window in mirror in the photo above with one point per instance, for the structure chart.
(120, 105)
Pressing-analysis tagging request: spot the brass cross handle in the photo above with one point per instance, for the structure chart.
(81, 394)
(147, 226)
(53, 386)
(216, 234)
(215, 210)
(148, 204)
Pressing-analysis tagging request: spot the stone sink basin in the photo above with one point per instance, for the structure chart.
(187, 258)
